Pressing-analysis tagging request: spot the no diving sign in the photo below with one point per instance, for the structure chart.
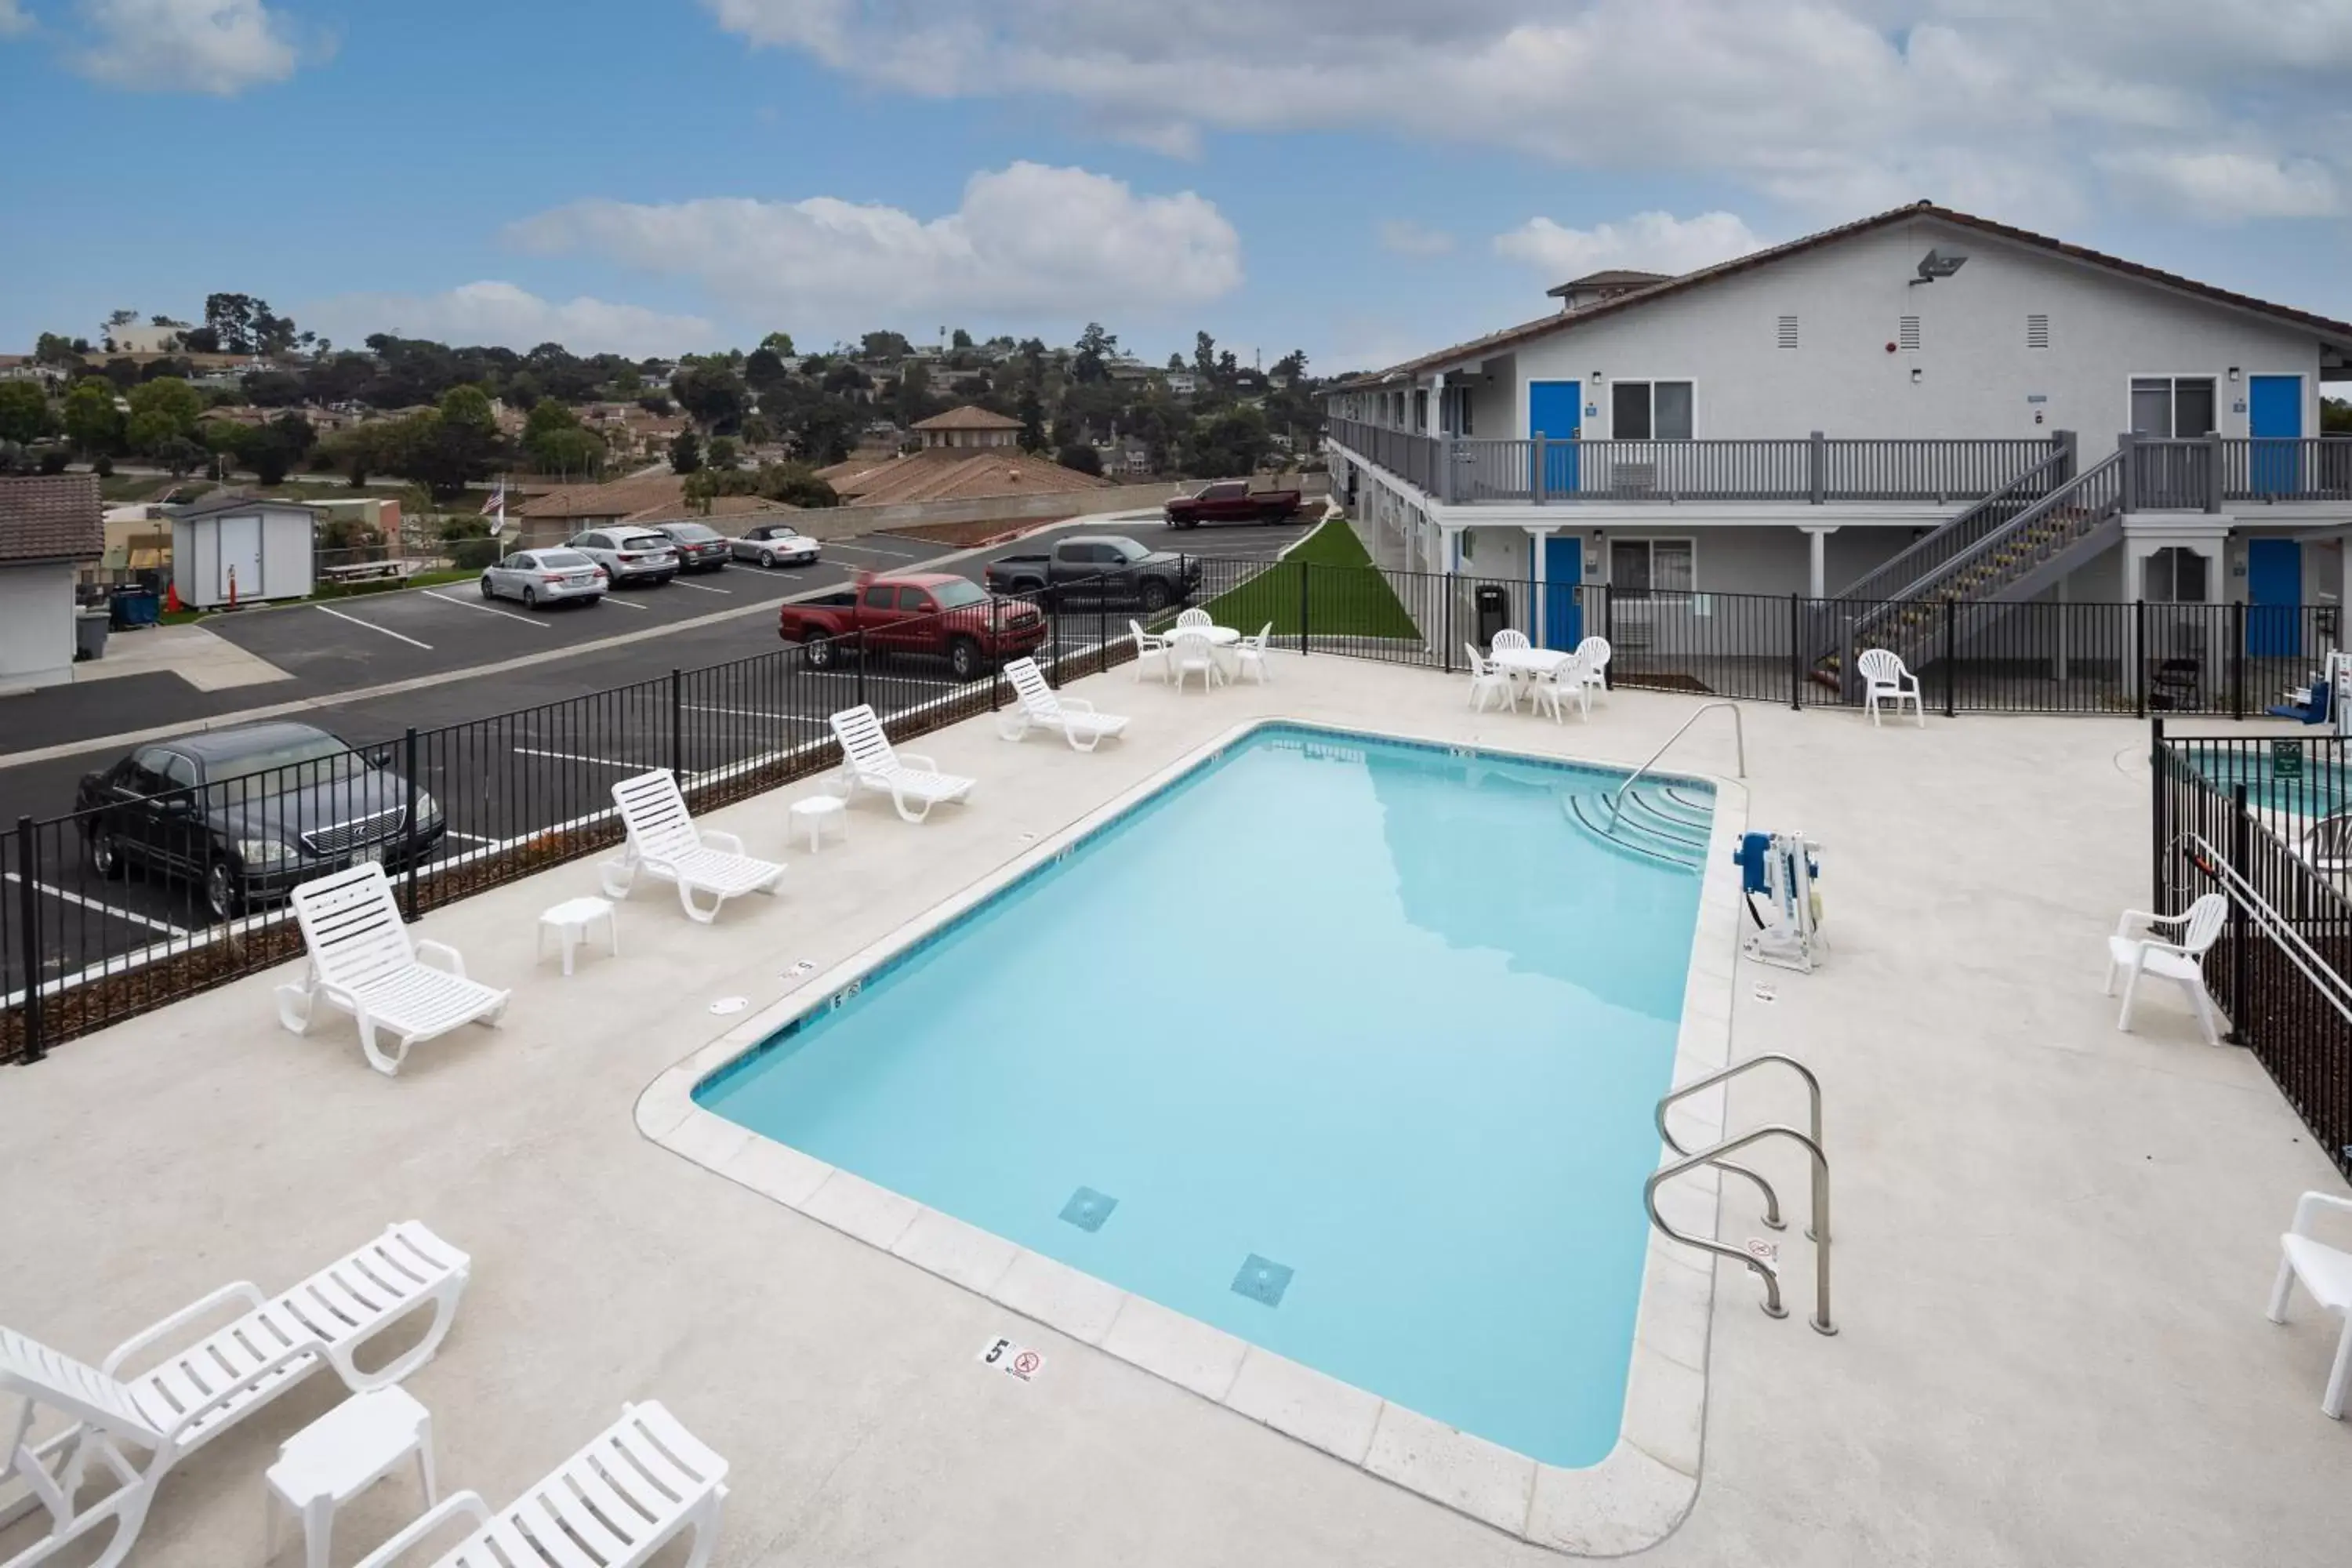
(1014, 1360)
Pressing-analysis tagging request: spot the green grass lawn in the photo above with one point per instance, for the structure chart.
(1344, 595)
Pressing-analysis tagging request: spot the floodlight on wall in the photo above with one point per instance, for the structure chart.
(2233, 373)
(1939, 264)
(1917, 375)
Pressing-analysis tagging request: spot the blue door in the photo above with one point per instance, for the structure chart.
(1557, 409)
(1563, 614)
(2273, 592)
(2274, 415)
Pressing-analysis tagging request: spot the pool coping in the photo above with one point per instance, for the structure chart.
(1631, 1499)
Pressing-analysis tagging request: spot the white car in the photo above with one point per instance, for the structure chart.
(775, 544)
(628, 553)
(551, 576)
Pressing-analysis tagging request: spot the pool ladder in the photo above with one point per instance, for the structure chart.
(1691, 1160)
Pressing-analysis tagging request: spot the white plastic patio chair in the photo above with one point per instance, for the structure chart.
(191, 1395)
(1249, 655)
(665, 845)
(1884, 679)
(1593, 654)
(643, 1482)
(1040, 707)
(869, 762)
(1191, 650)
(1485, 681)
(2326, 1273)
(1507, 638)
(1556, 689)
(1149, 647)
(2180, 962)
(1195, 616)
(363, 961)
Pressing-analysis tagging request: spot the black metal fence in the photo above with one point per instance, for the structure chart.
(2263, 820)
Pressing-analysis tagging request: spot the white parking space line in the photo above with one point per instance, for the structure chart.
(576, 757)
(865, 548)
(753, 713)
(372, 627)
(121, 914)
(698, 587)
(625, 604)
(469, 837)
(486, 609)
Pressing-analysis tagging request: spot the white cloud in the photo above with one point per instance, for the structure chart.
(2230, 186)
(1026, 240)
(1406, 238)
(1650, 242)
(1833, 105)
(13, 20)
(498, 313)
(220, 47)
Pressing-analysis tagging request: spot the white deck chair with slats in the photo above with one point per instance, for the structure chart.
(617, 1503)
(184, 1397)
(363, 961)
(1040, 707)
(665, 845)
(869, 762)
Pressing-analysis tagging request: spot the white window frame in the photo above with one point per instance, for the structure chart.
(2220, 409)
(1650, 542)
(2171, 556)
(1651, 383)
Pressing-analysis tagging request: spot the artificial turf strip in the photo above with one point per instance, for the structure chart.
(1346, 595)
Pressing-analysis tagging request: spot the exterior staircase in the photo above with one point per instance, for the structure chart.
(1655, 823)
(2008, 547)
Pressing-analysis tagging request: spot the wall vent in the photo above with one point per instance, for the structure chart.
(1907, 333)
(1788, 332)
(2037, 332)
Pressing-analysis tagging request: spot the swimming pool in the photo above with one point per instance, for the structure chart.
(1346, 1046)
(2316, 786)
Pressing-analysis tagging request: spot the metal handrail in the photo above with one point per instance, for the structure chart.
(1813, 1090)
(2110, 468)
(1819, 1322)
(2276, 926)
(1901, 568)
(1738, 728)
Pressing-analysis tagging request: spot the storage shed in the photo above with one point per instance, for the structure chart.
(48, 527)
(243, 550)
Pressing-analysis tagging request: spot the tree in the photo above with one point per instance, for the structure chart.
(169, 365)
(714, 398)
(723, 454)
(53, 461)
(24, 412)
(778, 344)
(123, 372)
(297, 432)
(2334, 416)
(1080, 456)
(876, 346)
(1175, 363)
(244, 325)
(170, 403)
(179, 456)
(655, 402)
(686, 452)
(1033, 420)
(1204, 356)
(1291, 367)
(961, 340)
(764, 369)
(51, 349)
(91, 423)
(268, 453)
(1096, 348)
(274, 389)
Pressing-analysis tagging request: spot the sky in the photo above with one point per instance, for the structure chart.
(1360, 179)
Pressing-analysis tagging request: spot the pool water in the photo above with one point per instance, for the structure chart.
(1347, 1047)
(2319, 787)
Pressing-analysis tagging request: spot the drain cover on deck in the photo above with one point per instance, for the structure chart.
(1262, 1280)
(1088, 1208)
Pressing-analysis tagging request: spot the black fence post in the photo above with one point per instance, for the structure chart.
(1796, 658)
(1305, 568)
(2240, 851)
(2237, 659)
(1053, 630)
(677, 726)
(996, 640)
(858, 637)
(1447, 618)
(2159, 810)
(1951, 656)
(2139, 657)
(408, 821)
(28, 915)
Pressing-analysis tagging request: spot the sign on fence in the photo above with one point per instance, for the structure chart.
(2286, 759)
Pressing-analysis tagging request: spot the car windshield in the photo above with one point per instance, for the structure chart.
(956, 594)
(295, 762)
(1127, 550)
(564, 560)
(690, 532)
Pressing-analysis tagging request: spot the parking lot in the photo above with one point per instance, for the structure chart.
(544, 739)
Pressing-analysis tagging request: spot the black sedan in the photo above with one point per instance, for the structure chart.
(247, 814)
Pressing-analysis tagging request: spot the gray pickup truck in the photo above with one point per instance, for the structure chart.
(1099, 567)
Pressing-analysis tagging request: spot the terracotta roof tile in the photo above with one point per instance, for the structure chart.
(616, 498)
(970, 417)
(54, 517)
(952, 473)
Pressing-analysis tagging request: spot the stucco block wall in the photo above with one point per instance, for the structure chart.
(37, 624)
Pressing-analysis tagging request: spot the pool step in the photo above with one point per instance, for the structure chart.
(1655, 823)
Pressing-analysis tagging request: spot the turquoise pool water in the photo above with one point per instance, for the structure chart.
(1347, 1046)
(2317, 787)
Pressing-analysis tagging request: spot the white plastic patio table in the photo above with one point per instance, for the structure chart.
(1529, 661)
(1219, 637)
(340, 1456)
(572, 919)
(816, 810)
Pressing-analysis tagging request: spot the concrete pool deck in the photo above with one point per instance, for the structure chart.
(2053, 1240)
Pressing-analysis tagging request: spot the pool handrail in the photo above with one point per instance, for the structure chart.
(1739, 730)
(1819, 1322)
(1682, 1091)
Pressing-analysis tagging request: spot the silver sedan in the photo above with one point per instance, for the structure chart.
(545, 577)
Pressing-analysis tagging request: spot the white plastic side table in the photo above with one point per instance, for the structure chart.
(816, 810)
(571, 919)
(340, 1456)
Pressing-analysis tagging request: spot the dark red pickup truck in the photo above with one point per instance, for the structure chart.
(932, 613)
(1232, 501)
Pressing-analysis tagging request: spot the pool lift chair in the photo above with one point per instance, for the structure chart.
(2322, 702)
(1784, 868)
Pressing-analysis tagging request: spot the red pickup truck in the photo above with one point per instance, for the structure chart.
(1232, 501)
(932, 612)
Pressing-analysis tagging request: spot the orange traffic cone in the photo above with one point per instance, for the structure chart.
(232, 587)
(171, 597)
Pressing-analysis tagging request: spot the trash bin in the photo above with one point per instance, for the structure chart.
(1493, 606)
(90, 634)
(133, 607)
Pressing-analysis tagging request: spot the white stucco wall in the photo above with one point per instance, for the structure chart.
(1975, 371)
(37, 624)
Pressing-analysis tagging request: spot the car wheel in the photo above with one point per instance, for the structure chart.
(531, 598)
(964, 661)
(487, 591)
(1154, 595)
(105, 853)
(221, 893)
(818, 653)
(767, 558)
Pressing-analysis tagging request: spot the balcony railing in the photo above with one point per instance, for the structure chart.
(1810, 470)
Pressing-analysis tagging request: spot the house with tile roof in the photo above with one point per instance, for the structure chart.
(48, 527)
(968, 453)
(1923, 404)
(968, 426)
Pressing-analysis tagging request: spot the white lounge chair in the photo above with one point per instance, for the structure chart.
(1195, 616)
(363, 961)
(2327, 1273)
(665, 845)
(1884, 679)
(1485, 681)
(2200, 926)
(1149, 647)
(1595, 653)
(641, 1484)
(1040, 707)
(1249, 655)
(1193, 650)
(192, 1395)
(870, 763)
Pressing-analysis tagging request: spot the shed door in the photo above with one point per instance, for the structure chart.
(240, 555)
